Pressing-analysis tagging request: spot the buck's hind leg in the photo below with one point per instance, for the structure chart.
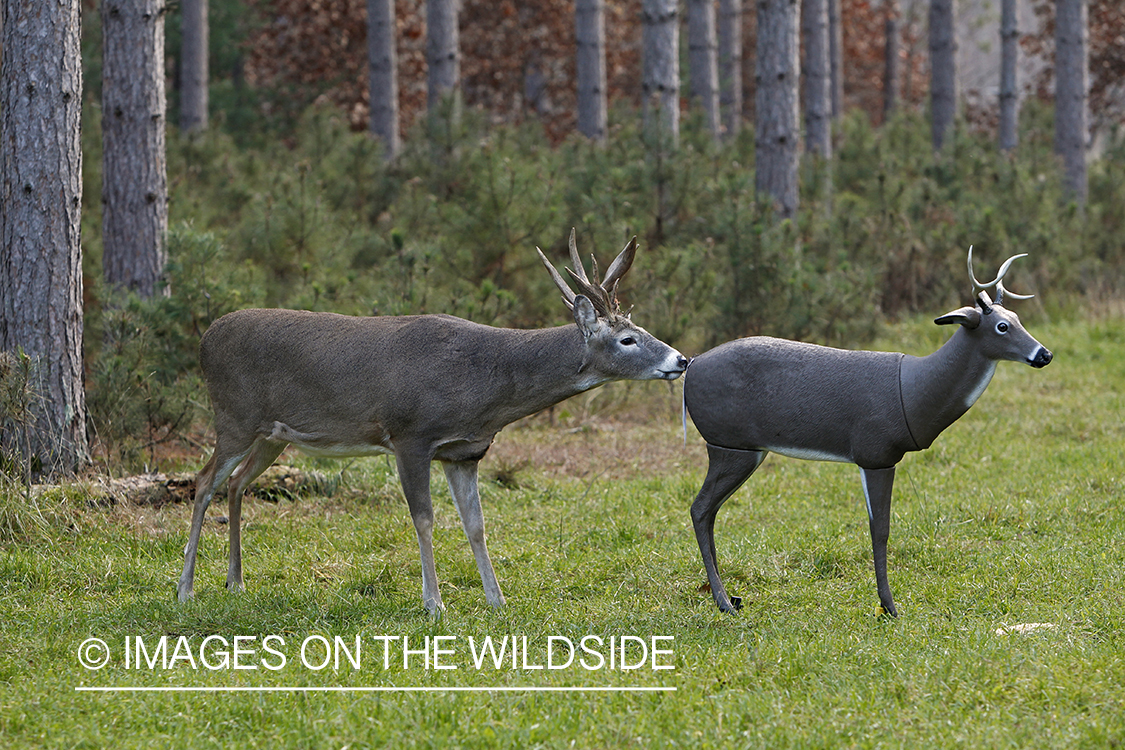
(414, 474)
(463, 484)
(216, 471)
(262, 455)
(878, 485)
(727, 469)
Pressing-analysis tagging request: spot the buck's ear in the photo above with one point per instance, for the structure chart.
(585, 316)
(966, 316)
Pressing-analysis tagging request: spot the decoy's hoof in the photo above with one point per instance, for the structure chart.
(736, 602)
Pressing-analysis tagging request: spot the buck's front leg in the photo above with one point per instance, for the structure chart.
(727, 469)
(463, 484)
(414, 474)
(878, 485)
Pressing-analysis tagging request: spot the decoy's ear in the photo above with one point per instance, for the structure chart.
(966, 316)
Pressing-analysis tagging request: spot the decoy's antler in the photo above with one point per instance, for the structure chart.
(998, 282)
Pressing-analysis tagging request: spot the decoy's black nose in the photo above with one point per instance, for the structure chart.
(1042, 358)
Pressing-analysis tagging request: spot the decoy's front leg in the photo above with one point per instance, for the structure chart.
(877, 487)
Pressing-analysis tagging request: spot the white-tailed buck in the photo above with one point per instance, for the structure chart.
(425, 388)
(755, 395)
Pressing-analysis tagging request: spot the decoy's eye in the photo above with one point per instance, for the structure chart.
(1002, 327)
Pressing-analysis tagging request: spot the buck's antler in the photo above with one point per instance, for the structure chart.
(601, 293)
(560, 282)
(998, 282)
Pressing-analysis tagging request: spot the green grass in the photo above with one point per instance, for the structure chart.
(1014, 516)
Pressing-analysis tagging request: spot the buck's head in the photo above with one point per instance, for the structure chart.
(616, 348)
(994, 328)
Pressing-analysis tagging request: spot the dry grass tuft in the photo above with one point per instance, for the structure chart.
(622, 431)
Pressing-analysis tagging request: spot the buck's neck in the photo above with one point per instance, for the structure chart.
(536, 369)
(939, 388)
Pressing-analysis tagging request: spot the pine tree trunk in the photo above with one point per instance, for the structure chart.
(943, 69)
(730, 65)
(382, 75)
(703, 60)
(775, 102)
(836, 57)
(41, 192)
(660, 86)
(589, 28)
(818, 79)
(1071, 92)
(195, 68)
(1009, 85)
(134, 181)
(443, 53)
(890, 57)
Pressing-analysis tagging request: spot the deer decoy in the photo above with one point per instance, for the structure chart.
(755, 395)
(424, 388)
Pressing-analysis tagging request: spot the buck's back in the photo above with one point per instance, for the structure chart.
(365, 378)
(311, 368)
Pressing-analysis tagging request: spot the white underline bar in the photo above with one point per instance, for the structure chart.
(389, 689)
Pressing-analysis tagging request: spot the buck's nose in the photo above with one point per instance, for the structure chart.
(682, 362)
(1043, 358)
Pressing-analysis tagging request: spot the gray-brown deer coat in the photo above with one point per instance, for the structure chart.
(424, 388)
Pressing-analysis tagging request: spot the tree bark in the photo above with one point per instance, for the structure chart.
(443, 52)
(836, 57)
(943, 69)
(382, 75)
(660, 86)
(890, 57)
(818, 79)
(703, 60)
(777, 120)
(1072, 85)
(730, 65)
(195, 67)
(1009, 85)
(589, 32)
(134, 175)
(41, 191)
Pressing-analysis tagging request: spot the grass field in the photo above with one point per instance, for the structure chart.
(1013, 517)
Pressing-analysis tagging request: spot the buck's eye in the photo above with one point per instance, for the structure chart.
(1001, 327)
(628, 341)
